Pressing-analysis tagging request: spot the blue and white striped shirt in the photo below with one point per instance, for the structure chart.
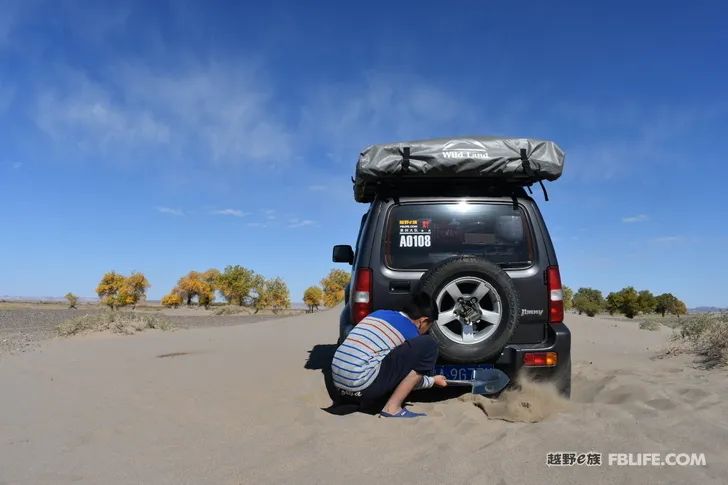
(357, 360)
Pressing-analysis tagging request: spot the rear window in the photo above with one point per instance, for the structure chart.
(421, 235)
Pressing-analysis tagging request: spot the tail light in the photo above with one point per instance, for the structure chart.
(362, 294)
(540, 359)
(556, 296)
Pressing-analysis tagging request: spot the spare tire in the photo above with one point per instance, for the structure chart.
(478, 306)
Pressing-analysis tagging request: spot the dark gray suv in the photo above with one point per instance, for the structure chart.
(486, 257)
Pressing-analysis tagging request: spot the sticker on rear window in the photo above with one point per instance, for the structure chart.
(415, 233)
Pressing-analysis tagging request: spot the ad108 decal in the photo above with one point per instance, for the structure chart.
(415, 233)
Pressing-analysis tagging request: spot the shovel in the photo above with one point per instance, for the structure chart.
(484, 381)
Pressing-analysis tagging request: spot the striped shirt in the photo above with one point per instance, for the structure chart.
(357, 360)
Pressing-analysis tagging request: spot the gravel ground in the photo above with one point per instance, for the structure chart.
(22, 329)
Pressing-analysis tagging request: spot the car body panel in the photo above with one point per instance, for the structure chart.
(392, 287)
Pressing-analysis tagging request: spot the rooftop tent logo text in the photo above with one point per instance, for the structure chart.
(473, 154)
(452, 151)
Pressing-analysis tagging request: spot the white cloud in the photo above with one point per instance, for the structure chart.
(293, 223)
(85, 114)
(219, 111)
(230, 212)
(343, 119)
(637, 218)
(668, 239)
(170, 211)
(257, 224)
(225, 107)
(633, 140)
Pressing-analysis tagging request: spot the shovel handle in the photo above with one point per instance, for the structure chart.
(459, 383)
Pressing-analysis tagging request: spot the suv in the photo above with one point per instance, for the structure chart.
(485, 256)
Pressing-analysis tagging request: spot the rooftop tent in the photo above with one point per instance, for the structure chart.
(475, 160)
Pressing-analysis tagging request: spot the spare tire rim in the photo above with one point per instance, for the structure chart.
(470, 310)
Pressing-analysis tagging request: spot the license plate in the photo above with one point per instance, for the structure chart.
(459, 372)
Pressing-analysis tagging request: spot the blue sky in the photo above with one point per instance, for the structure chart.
(163, 137)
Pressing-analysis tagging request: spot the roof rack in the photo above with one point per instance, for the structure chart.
(450, 187)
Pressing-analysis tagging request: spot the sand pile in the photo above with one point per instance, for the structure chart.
(527, 402)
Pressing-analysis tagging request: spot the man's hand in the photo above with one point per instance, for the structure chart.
(440, 381)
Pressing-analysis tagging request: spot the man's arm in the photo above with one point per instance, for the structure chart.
(427, 382)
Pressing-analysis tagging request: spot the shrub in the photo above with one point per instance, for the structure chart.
(232, 310)
(589, 301)
(708, 337)
(693, 328)
(650, 325)
(669, 303)
(629, 303)
(72, 300)
(124, 322)
(613, 302)
(713, 344)
(647, 301)
(568, 298)
(78, 325)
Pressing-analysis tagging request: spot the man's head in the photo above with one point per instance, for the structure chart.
(422, 311)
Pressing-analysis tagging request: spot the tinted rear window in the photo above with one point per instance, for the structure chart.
(421, 235)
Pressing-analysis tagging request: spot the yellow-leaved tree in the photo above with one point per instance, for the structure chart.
(210, 279)
(172, 299)
(109, 288)
(117, 290)
(198, 285)
(333, 287)
(312, 297)
(134, 289)
(273, 294)
(236, 283)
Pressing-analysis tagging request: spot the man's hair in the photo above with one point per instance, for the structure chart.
(421, 305)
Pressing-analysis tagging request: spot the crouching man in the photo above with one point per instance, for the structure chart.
(386, 356)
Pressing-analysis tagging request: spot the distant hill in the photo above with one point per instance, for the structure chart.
(48, 299)
(707, 309)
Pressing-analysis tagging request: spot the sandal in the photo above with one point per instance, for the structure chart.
(403, 413)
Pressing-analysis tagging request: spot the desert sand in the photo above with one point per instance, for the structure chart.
(243, 404)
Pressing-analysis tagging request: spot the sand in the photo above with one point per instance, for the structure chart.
(243, 404)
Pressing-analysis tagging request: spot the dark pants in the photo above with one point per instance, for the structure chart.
(418, 354)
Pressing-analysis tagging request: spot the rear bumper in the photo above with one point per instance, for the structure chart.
(558, 340)
(510, 361)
